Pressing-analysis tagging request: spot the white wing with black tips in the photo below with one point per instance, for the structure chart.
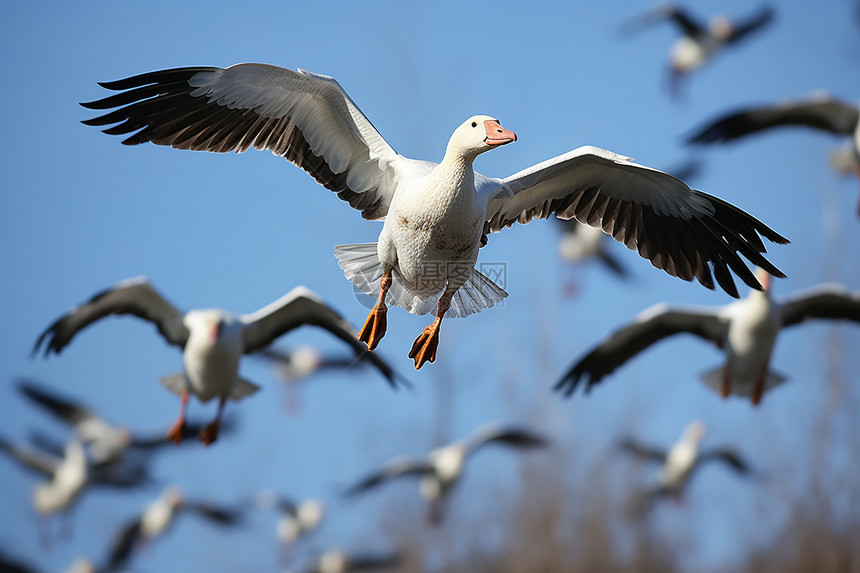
(681, 231)
(304, 117)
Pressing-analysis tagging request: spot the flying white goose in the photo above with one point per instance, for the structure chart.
(699, 43)
(106, 443)
(212, 340)
(436, 215)
(441, 469)
(157, 517)
(69, 475)
(746, 330)
(682, 460)
(297, 518)
(821, 111)
(338, 561)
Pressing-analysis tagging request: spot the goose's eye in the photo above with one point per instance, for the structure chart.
(474, 124)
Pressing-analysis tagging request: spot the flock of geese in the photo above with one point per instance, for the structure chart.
(437, 216)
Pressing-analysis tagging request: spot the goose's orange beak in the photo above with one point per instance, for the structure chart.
(498, 135)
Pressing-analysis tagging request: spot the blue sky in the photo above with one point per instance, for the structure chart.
(80, 212)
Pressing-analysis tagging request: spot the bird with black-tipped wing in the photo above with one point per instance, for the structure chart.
(437, 216)
(680, 462)
(157, 518)
(441, 469)
(745, 330)
(821, 112)
(213, 341)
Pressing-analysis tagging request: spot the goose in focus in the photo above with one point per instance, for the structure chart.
(212, 340)
(682, 460)
(157, 517)
(699, 43)
(106, 443)
(69, 475)
(436, 216)
(339, 561)
(441, 469)
(821, 111)
(745, 330)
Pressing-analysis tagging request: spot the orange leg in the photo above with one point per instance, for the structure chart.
(176, 431)
(726, 387)
(424, 347)
(210, 433)
(377, 321)
(758, 390)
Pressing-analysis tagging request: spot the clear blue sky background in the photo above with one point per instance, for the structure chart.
(79, 212)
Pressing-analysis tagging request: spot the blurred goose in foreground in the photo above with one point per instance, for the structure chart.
(699, 43)
(821, 111)
(437, 216)
(156, 519)
(212, 340)
(69, 475)
(106, 443)
(338, 561)
(682, 460)
(442, 468)
(746, 330)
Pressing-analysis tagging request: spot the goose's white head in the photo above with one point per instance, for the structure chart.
(476, 135)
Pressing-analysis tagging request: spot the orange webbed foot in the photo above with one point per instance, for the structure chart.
(176, 432)
(374, 327)
(424, 347)
(209, 433)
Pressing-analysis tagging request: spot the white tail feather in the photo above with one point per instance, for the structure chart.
(360, 264)
(713, 379)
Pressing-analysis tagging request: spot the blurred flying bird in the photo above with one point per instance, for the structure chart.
(681, 461)
(69, 475)
(106, 443)
(212, 340)
(699, 43)
(746, 330)
(821, 111)
(441, 469)
(338, 561)
(297, 518)
(157, 517)
(437, 216)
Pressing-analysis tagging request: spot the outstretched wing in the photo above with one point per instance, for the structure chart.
(654, 324)
(826, 301)
(729, 457)
(123, 545)
(69, 411)
(400, 466)
(641, 450)
(134, 296)
(32, 459)
(747, 27)
(823, 113)
(508, 435)
(298, 307)
(306, 118)
(679, 230)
